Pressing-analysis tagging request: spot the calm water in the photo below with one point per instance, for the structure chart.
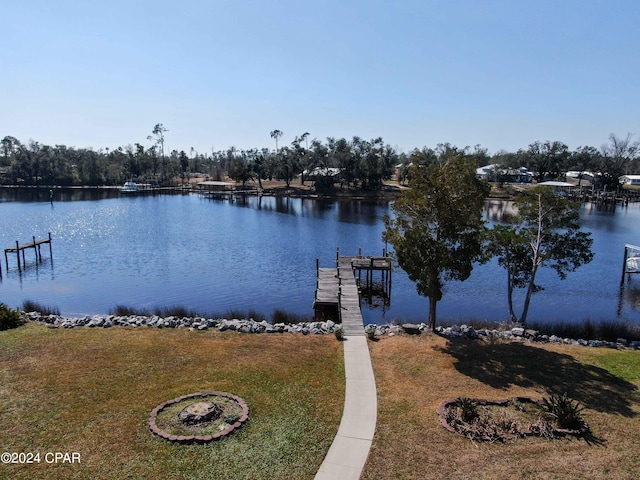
(213, 256)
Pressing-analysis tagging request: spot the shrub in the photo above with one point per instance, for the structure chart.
(467, 408)
(564, 410)
(609, 330)
(126, 311)
(231, 418)
(280, 316)
(31, 306)
(9, 318)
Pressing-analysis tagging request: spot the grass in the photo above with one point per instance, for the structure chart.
(415, 373)
(91, 391)
(31, 306)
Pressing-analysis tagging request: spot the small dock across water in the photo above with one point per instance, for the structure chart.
(20, 248)
(338, 290)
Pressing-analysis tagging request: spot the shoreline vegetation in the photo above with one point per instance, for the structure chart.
(607, 333)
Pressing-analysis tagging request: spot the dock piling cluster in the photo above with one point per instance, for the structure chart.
(20, 248)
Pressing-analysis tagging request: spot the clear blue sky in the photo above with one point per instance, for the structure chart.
(501, 74)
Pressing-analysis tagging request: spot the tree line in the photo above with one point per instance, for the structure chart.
(364, 164)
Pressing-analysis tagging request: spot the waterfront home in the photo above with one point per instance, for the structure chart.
(630, 179)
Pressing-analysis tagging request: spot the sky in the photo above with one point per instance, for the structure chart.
(500, 74)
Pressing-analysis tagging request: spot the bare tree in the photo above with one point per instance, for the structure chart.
(158, 131)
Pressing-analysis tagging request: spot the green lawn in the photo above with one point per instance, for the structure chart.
(90, 391)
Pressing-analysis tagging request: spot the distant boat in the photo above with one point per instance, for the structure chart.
(133, 187)
(633, 264)
(129, 187)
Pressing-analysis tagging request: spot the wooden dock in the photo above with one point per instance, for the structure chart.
(20, 248)
(338, 292)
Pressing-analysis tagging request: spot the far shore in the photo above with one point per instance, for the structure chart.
(389, 191)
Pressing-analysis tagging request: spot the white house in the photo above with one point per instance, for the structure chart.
(495, 172)
(630, 179)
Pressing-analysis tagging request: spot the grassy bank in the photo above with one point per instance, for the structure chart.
(414, 374)
(91, 391)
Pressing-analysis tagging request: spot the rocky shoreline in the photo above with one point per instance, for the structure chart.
(516, 334)
(520, 334)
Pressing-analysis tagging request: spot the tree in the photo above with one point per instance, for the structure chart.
(9, 144)
(585, 160)
(287, 165)
(158, 131)
(276, 134)
(257, 166)
(546, 233)
(304, 160)
(437, 226)
(617, 157)
(240, 171)
(184, 164)
(547, 159)
(305, 137)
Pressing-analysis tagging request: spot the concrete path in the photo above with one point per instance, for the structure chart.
(349, 450)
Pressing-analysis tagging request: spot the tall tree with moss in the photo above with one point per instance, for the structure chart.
(437, 225)
(546, 233)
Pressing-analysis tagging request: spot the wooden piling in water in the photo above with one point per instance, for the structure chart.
(35, 244)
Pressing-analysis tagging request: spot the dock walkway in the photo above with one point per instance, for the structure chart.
(349, 298)
(35, 244)
(350, 448)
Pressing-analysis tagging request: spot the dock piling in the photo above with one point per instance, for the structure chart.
(35, 244)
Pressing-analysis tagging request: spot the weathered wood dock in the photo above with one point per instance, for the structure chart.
(338, 291)
(20, 248)
(631, 263)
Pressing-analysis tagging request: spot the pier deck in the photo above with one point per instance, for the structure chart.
(337, 288)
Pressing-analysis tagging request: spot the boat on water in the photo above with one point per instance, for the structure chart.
(133, 187)
(633, 264)
(129, 187)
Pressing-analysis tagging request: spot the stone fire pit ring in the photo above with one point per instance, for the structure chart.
(200, 399)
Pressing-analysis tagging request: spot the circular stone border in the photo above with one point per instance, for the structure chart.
(441, 411)
(198, 438)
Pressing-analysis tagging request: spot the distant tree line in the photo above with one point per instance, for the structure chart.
(550, 160)
(364, 164)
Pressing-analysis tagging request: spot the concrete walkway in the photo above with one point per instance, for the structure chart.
(349, 450)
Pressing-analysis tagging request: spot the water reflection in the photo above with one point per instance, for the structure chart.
(499, 211)
(348, 211)
(630, 293)
(60, 194)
